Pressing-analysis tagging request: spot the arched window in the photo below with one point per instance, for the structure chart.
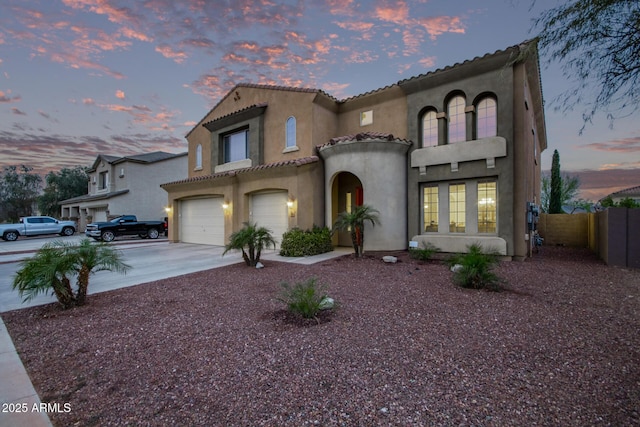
(199, 156)
(429, 129)
(291, 132)
(487, 118)
(457, 123)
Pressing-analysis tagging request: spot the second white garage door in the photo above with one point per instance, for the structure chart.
(270, 210)
(202, 221)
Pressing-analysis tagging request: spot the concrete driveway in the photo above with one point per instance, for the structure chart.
(150, 260)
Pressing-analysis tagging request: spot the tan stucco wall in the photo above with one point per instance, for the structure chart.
(302, 183)
(282, 104)
(389, 108)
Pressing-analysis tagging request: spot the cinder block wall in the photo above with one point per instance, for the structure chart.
(564, 229)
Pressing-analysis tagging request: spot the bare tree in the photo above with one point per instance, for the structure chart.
(598, 44)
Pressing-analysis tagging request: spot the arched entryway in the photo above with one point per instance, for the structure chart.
(346, 194)
(368, 169)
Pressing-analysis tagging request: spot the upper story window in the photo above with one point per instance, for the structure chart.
(291, 132)
(104, 180)
(487, 118)
(199, 156)
(236, 146)
(430, 129)
(457, 122)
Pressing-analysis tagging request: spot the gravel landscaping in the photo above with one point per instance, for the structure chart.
(559, 347)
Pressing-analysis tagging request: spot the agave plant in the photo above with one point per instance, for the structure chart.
(354, 222)
(53, 265)
(251, 240)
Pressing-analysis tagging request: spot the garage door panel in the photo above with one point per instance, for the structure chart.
(270, 210)
(202, 221)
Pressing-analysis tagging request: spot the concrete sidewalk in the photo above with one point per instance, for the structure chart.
(17, 391)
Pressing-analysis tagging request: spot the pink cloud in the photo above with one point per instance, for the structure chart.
(120, 94)
(625, 145)
(168, 52)
(438, 25)
(428, 62)
(6, 98)
(17, 112)
(396, 12)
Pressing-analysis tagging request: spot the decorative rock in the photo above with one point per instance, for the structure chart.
(390, 259)
(259, 265)
(455, 268)
(327, 303)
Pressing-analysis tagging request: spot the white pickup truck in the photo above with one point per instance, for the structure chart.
(36, 225)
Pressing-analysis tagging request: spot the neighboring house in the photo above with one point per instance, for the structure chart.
(126, 185)
(450, 157)
(632, 193)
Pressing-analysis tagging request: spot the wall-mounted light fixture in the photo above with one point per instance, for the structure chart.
(225, 205)
(291, 206)
(167, 209)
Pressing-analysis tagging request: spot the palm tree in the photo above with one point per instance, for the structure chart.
(51, 267)
(354, 223)
(47, 269)
(254, 239)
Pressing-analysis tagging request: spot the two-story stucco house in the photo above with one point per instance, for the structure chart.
(127, 185)
(450, 157)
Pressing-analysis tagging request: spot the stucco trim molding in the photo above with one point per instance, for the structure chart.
(455, 243)
(480, 149)
(240, 164)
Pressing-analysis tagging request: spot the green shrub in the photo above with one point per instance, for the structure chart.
(475, 269)
(297, 242)
(305, 299)
(424, 253)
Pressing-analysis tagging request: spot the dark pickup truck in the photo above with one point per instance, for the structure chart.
(126, 225)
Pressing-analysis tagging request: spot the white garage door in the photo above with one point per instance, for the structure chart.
(99, 215)
(202, 221)
(270, 210)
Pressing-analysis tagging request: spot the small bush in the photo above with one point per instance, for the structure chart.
(424, 253)
(305, 299)
(297, 242)
(475, 269)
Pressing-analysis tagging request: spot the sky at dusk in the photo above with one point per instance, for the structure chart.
(80, 78)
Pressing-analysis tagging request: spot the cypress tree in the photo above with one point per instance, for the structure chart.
(555, 196)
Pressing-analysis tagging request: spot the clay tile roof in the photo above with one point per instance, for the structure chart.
(294, 162)
(362, 136)
(627, 192)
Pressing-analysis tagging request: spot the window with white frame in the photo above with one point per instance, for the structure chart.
(236, 146)
(199, 156)
(487, 118)
(457, 121)
(430, 208)
(291, 132)
(487, 207)
(430, 129)
(457, 208)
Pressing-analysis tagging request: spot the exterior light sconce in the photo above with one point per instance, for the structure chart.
(291, 205)
(225, 205)
(167, 209)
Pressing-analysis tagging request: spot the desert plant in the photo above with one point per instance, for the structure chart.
(306, 299)
(297, 242)
(354, 222)
(53, 265)
(251, 240)
(425, 252)
(474, 268)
